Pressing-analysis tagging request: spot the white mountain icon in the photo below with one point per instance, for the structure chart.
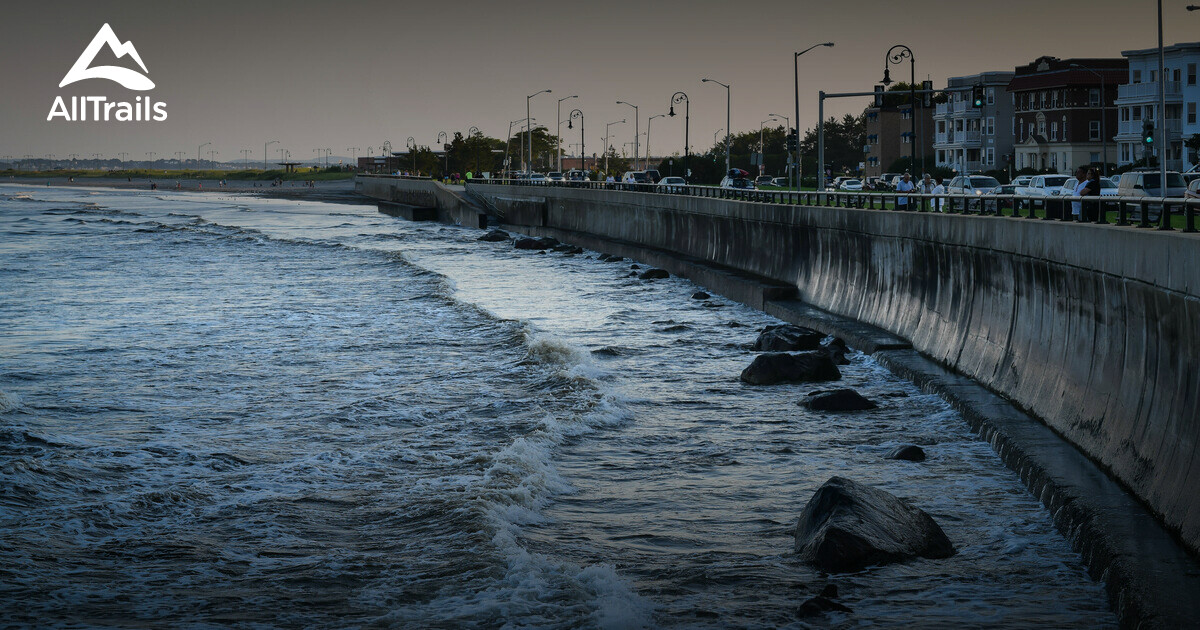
(131, 79)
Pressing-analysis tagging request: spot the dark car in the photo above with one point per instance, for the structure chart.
(653, 175)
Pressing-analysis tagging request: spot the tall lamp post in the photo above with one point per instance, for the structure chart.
(636, 131)
(717, 134)
(606, 137)
(411, 145)
(558, 130)
(728, 129)
(529, 129)
(198, 165)
(647, 158)
(787, 130)
(265, 152)
(443, 138)
(762, 147)
(680, 97)
(796, 78)
(1103, 117)
(896, 55)
(471, 134)
(577, 113)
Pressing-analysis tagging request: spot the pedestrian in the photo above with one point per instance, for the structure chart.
(904, 186)
(1080, 184)
(938, 189)
(1091, 188)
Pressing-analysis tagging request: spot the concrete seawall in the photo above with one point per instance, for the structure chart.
(450, 206)
(1093, 329)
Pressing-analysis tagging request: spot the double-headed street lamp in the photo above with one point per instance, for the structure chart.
(265, 152)
(896, 55)
(636, 132)
(680, 97)
(529, 129)
(728, 134)
(558, 130)
(206, 144)
(576, 113)
(796, 78)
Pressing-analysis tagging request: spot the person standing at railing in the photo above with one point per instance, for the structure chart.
(903, 186)
(1091, 188)
(1080, 185)
(938, 189)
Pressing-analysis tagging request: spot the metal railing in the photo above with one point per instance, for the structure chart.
(1142, 212)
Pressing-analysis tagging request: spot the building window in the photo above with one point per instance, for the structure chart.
(1137, 112)
(1094, 97)
(1137, 76)
(1191, 119)
(1030, 130)
(991, 126)
(1054, 131)
(991, 96)
(1191, 78)
(1042, 128)
(1094, 158)
(941, 128)
(1153, 75)
(1175, 75)
(990, 156)
(1094, 130)
(1124, 114)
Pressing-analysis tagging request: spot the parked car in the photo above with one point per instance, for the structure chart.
(1003, 189)
(1193, 190)
(850, 185)
(1022, 181)
(653, 175)
(576, 175)
(1149, 184)
(736, 183)
(781, 182)
(555, 176)
(885, 181)
(636, 177)
(972, 185)
(1107, 188)
(762, 180)
(672, 185)
(1116, 179)
(1043, 187)
(537, 178)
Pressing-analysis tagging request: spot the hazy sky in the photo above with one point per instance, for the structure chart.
(354, 74)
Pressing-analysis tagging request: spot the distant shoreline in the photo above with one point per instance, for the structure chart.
(335, 191)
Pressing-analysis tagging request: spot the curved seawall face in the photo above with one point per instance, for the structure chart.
(1094, 329)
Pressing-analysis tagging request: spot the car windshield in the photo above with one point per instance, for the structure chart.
(1058, 180)
(852, 182)
(672, 180)
(984, 182)
(1174, 180)
(554, 174)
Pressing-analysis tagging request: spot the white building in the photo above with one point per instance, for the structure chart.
(1138, 101)
(969, 139)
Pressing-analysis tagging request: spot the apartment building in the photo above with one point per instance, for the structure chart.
(970, 139)
(1138, 101)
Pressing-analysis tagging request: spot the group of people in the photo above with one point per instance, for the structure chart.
(928, 186)
(1087, 184)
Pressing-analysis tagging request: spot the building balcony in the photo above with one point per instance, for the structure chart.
(1134, 127)
(1147, 92)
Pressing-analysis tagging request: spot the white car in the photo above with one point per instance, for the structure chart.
(1107, 188)
(537, 178)
(737, 183)
(972, 185)
(672, 185)
(555, 176)
(851, 185)
(1044, 186)
(1022, 181)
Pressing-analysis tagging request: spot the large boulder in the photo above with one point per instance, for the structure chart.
(783, 367)
(700, 295)
(836, 349)
(495, 236)
(907, 452)
(787, 338)
(535, 243)
(847, 526)
(654, 274)
(836, 400)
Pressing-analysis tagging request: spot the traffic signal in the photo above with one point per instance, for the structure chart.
(1147, 132)
(977, 96)
(792, 143)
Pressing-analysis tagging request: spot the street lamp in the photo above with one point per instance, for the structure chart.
(728, 128)
(762, 148)
(796, 79)
(676, 98)
(265, 152)
(443, 138)
(636, 133)
(606, 136)
(508, 143)
(1103, 116)
(902, 52)
(198, 153)
(648, 137)
(717, 134)
(576, 113)
(529, 128)
(411, 145)
(558, 131)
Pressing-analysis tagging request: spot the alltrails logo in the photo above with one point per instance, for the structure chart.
(142, 109)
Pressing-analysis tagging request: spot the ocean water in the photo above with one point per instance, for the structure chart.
(231, 411)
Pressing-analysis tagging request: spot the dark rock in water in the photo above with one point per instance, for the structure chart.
(847, 526)
(549, 242)
(563, 247)
(836, 400)
(634, 267)
(736, 325)
(700, 295)
(531, 243)
(820, 605)
(830, 591)
(632, 274)
(495, 236)
(602, 258)
(654, 274)
(677, 328)
(614, 259)
(713, 305)
(836, 349)
(575, 250)
(786, 338)
(908, 452)
(781, 367)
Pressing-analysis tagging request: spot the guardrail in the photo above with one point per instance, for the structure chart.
(1142, 212)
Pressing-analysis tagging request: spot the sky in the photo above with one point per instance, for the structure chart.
(337, 75)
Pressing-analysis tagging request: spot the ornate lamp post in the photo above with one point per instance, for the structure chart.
(680, 97)
(558, 131)
(896, 55)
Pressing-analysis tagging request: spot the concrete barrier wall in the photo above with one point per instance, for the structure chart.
(1094, 329)
(423, 193)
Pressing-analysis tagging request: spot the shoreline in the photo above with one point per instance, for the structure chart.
(331, 191)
